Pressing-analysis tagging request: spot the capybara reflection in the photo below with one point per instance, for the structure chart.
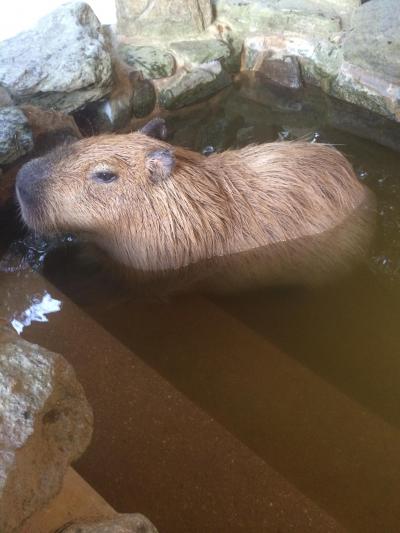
(156, 208)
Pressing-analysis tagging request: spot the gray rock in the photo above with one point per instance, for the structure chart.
(201, 51)
(16, 137)
(272, 58)
(124, 523)
(144, 98)
(373, 43)
(45, 423)
(106, 115)
(310, 17)
(187, 88)
(152, 62)
(234, 40)
(363, 123)
(62, 63)
(370, 73)
(163, 19)
(5, 97)
(291, 59)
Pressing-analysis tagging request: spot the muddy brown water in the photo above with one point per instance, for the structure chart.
(322, 406)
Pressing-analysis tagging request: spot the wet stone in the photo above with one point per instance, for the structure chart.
(152, 62)
(370, 73)
(189, 87)
(105, 115)
(5, 97)
(201, 51)
(163, 19)
(144, 98)
(45, 424)
(317, 18)
(374, 40)
(68, 65)
(124, 523)
(16, 137)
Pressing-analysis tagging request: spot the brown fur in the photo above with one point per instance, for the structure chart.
(250, 201)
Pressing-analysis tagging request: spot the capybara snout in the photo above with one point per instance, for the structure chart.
(154, 207)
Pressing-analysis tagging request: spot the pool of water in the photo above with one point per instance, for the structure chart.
(343, 338)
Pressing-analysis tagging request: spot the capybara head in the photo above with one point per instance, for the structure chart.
(155, 207)
(100, 186)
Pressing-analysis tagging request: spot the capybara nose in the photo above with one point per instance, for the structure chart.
(28, 180)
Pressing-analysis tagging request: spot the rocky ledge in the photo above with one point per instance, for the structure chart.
(45, 424)
(165, 55)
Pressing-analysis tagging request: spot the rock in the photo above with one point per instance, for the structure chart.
(124, 523)
(272, 58)
(144, 98)
(291, 59)
(201, 51)
(163, 19)
(234, 41)
(152, 62)
(68, 66)
(16, 137)
(113, 112)
(310, 17)
(106, 115)
(5, 97)
(320, 65)
(189, 87)
(363, 123)
(45, 423)
(373, 44)
(370, 73)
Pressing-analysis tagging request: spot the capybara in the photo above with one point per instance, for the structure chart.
(264, 210)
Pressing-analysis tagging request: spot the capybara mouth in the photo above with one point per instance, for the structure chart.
(29, 211)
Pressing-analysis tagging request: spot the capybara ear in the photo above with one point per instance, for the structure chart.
(155, 128)
(160, 164)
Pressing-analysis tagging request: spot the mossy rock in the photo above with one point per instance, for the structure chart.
(188, 88)
(152, 62)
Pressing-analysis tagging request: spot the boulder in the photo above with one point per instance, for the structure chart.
(62, 63)
(16, 137)
(144, 98)
(274, 59)
(189, 87)
(311, 17)
(370, 73)
(124, 523)
(290, 59)
(201, 51)
(45, 424)
(373, 43)
(5, 97)
(163, 19)
(151, 61)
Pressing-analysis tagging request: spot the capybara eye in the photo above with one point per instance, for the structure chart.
(104, 176)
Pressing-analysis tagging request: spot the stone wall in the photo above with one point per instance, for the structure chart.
(167, 55)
